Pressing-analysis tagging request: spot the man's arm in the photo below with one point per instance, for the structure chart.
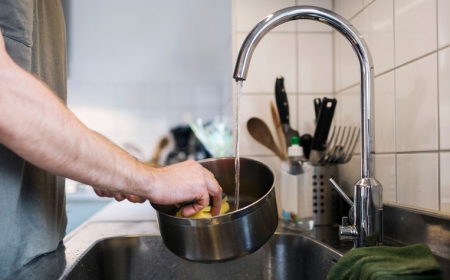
(37, 126)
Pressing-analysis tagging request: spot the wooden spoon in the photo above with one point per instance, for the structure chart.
(156, 154)
(279, 128)
(259, 130)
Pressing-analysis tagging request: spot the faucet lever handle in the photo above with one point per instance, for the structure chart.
(341, 192)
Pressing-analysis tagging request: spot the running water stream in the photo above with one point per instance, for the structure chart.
(237, 163)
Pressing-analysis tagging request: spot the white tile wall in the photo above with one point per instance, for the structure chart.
(412, 93)
(348, 105)
(417, 180)
(444, 98)
(416, 104)
(385, 113)
(346, 63)
(347, 112)
(414, 37)
(250, 12)
(274, 56)
(385, 169)
(378, 32)
(445, 182)
(315, 67)
(367, 2)
(443, 22)
(348, 8)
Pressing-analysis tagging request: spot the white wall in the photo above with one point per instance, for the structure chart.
(138, 68)
(409, 42)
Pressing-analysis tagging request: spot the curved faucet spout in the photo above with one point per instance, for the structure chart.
(370, 224)
(348, 31)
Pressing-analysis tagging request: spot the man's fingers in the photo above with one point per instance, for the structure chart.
(135, 199)
(119, 197)
(191, 209)
(196, 206)
(107, 194)
(215, 192)
(99, 192)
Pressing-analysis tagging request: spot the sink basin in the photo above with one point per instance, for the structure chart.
(284, 256)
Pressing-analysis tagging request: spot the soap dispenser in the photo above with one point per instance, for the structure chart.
(296, 190)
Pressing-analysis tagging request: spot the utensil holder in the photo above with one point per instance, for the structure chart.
(325, 198)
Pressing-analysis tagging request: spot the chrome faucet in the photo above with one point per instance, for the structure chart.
(367, 211)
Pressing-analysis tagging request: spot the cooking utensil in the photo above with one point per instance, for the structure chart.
(305, 142)
(351, 147)
(156, 154)
(340, 145)
(317, 105)
(334, 145)
(231, 235)
(259, 130)
(319, 143)
(283, 110)
(277, 123)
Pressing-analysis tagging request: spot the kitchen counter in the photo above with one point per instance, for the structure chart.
(81, 204)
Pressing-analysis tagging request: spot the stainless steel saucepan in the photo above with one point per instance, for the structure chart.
(231, 235)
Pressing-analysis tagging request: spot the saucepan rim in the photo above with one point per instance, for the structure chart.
(227, 217)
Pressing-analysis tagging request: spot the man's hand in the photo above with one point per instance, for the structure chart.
(173, 184)
(183, 182)
(119, 196)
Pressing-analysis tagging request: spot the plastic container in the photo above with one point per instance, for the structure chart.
(296, 190)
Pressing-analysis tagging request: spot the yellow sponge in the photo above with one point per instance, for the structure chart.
(205, 212)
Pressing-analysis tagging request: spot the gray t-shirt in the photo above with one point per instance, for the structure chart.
(32, 201)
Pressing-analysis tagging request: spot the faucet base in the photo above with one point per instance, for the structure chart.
(368, 212)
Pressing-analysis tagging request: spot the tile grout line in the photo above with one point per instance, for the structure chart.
(397, 67)
(413, 152)
(395, 108)
(438, 113)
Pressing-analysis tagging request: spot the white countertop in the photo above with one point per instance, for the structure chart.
(125, 211)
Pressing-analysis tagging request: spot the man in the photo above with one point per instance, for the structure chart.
(38, 132)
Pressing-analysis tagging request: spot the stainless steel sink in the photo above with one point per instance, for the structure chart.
(285, 256)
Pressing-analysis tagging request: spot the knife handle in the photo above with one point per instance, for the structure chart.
(317, 105)
(323, 124)
(306, 141)
(281, 100)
